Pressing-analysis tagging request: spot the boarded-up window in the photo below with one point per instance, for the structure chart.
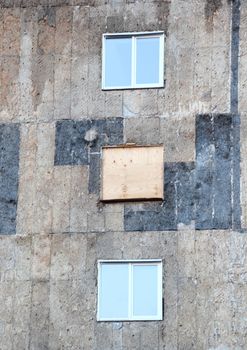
(132, 173)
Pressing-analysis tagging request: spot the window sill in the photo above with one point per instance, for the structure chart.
(133, 88)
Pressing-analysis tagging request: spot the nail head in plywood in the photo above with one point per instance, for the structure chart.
(132, 173)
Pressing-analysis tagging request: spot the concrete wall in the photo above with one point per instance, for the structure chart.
(53, 228)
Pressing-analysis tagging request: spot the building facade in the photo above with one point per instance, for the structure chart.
(54, 120)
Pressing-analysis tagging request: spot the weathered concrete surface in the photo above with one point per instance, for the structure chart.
(50, 80)
(48, 291)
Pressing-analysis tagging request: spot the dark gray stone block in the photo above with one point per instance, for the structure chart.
(204, 172)
(214, 169)
(168, 216)
(72, 148)
(235, 38)
(94, 174)
(185, 184)
(222, 214)
(235, 158)
(9, 167)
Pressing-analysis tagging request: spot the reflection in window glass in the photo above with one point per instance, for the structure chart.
(114, 291)
(133, 60)
(118, 62)
(147, 60)
(145, 290)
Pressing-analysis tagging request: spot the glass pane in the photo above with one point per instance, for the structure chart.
(147, 60)
(118, 62)
(145, 281)
(114, 291)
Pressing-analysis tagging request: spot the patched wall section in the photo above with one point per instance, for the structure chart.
(80, 142)
(204, 194)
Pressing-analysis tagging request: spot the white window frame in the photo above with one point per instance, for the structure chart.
(131, 316)
(134, 36)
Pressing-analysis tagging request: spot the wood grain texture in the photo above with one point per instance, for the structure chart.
(132, 173)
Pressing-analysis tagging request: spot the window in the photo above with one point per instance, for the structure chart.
(129, 290)
(133, 60)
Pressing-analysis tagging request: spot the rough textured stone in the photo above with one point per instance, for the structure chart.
(215, 162)
(72, 145)
(204, 175)
(143, 131)
(26, 179)
(9, 166)
(50, 85)
(207, 191)
(178, 136)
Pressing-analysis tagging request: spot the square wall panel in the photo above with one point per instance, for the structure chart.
(132, 173)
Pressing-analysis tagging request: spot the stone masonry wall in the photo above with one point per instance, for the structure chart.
(53, 228)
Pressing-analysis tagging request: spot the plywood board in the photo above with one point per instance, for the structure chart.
(132, 173)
